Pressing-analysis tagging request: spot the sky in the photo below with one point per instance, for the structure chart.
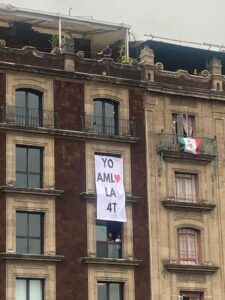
(193, 20)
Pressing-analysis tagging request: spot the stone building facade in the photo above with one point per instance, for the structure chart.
(51, 244)
(49, 133)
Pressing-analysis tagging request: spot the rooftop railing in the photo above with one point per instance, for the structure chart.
(172, 143)
(108, 126)
(29, 117)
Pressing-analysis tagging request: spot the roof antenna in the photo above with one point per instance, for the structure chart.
(70, 9)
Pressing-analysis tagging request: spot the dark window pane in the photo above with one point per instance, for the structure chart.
(33, 101)
(34, 246)
(35, 225)
(102, 249)
(21, 289)
(101, 233)
(98, 108)
(110, 110)
(102, 291)
(20, 98)
(114, 291)
(21, 245)
(35, 291)
(21, 224)
(34, 181)
(21, 180)
(21, 159)
(34, 160)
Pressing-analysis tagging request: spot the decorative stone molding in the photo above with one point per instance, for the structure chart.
(2, 43)
(93, 197)
(25, 191)
(198, 278)
(111, 261)
(176, 267)
(193, 215)
(31, 257)
(191, 206)
(147, 56)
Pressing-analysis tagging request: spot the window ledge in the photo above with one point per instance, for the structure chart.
(111, 261)
(71, 134)
(31, 257)
(173, 204)
(93, 196)
(172, 156)
(37, 191)
(177, 267)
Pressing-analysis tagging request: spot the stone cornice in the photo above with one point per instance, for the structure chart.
(31, 257)
(193, 269)
(68, 134)
(164, 88)
(71, 75)
(26, 191)
(181, 205)
(111, 261)
(93, 196)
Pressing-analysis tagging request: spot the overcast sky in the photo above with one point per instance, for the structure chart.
(194, 20)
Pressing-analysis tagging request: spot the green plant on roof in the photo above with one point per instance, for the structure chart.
(54, 41)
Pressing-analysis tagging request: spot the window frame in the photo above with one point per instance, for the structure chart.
(28, 286)
(192, 295)
(175, 124)
(189, 237)
(28, 91)
(42, 216)
(107, 283)
(103, 128)
(186, 178)
(107, 224)
(27, 173)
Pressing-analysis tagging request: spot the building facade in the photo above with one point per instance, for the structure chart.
(57, 111)
(163, 114)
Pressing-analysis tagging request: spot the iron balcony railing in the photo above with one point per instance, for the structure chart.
(170, 142)
(108, 249)
(108, 126)
(29, 117)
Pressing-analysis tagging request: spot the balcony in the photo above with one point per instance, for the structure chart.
(28, 117)
(169, 148)
(178, 267)
(108, 126)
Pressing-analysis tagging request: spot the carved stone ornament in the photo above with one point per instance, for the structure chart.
(159, 66)
(80, 54)
(147, 56)
(2, 43)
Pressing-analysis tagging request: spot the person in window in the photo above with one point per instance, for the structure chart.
(110, 238)
(118, 239)
(105, 53)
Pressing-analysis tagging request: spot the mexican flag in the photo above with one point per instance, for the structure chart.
(189, 145)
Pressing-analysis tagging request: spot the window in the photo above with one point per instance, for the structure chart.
(29, 233)
(29, 167)
(29, 289)
(188, 243)
(184, 125)
(110, 291)
(186, 186)
(28, 108)
(105, 116)
(191, 296)
(108, 239)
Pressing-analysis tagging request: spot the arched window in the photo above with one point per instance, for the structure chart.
(105, 116)
(28, 107)
(188, 245)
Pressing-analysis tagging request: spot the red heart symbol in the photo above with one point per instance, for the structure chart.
(117, 177)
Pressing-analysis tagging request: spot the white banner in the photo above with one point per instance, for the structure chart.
(110, 190)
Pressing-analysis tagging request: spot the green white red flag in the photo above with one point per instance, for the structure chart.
(189, 145)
